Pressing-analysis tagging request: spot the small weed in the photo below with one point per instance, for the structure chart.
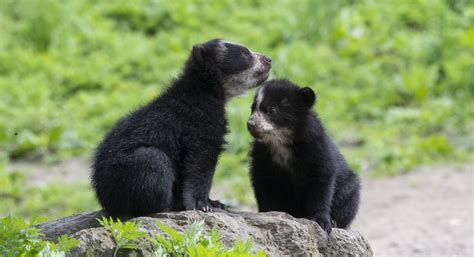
(124, 234)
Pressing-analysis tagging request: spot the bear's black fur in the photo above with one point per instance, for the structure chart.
(296, 168)
(162, 156)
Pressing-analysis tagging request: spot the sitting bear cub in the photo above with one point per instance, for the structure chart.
(162, 156)
(296, 168)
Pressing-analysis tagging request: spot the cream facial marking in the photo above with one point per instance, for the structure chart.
(240, 83)
(258, 117)
(259, 97)
(276, 138)
(256, 73)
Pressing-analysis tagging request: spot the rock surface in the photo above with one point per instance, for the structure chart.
(278, 234)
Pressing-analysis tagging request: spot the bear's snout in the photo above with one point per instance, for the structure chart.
(267, 59)
(252, 127)
(266, 63)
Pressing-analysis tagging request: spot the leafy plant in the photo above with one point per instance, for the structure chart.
(124, 234)
(194, 243)
(19, 237)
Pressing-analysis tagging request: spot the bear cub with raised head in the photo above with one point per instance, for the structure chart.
(162, 156)
(296, 168)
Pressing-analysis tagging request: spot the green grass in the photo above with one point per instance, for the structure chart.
(393, 78)
(51, 201)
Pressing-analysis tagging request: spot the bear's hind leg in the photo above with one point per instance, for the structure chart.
(346, 202)
(140, 183)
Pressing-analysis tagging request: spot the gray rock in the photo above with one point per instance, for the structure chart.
(278, 234)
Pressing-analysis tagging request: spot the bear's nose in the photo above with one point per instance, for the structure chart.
(253, 128)
(250, 125)
(267, 59)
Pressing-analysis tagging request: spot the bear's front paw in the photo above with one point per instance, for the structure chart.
(203, 205)
(197, 204)
(324, 223)
(217, 204)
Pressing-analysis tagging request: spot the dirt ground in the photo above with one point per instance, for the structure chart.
(427, 212)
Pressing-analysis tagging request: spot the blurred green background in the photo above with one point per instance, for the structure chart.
(394, 81)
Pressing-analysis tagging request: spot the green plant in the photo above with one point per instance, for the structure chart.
(194, 243)
(19, 237)
(124, 234)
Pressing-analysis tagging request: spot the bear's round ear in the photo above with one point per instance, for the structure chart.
(307, 96)
(198, 53)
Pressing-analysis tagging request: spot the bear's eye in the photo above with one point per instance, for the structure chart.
(246, 52)
(273, 110)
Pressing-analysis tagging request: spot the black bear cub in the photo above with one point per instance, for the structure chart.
(162, 156)
(296, 168)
